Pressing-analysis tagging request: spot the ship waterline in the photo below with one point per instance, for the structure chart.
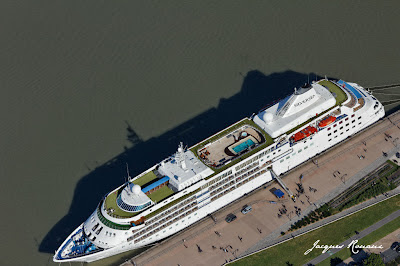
(197, 181)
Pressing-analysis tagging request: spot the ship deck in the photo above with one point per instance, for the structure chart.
(237, 141)
(341, 96)
(156, 196)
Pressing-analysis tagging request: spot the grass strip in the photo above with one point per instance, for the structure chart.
(333, 234)
(367, 240)
(161, 194)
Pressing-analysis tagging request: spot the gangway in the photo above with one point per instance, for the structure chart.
(280, 181)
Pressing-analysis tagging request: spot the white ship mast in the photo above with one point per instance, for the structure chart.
(180, 157)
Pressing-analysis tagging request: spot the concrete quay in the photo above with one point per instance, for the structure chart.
(262, 226)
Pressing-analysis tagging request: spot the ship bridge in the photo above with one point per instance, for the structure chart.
(303, 104)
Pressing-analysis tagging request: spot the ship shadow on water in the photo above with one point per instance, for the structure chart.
(257, 91)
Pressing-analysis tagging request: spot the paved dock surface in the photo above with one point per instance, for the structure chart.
(262, 225)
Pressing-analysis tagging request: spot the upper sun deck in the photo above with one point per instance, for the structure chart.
(340, 95)
(155, 189)
(237, 141)
(304, 104)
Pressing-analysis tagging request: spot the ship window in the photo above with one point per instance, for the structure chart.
(359, 123)
(329, 134)
(335, 131)
(335, 125)
(346, 119)
(287, 157)
(305, 147)
(340, 122)
(279, 150)
(353, 126)
(312, 143)
(329, 128)
(335, 136)
(359, 117)
(353, 121)
(347, 124)
(299, 150)
(273, 153)
(330, 140)
(347, 130)
(341, 128)
(282, 160)
(352, 115)
(341, 133)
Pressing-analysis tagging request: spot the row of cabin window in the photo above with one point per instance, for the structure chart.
(160, 226)
(171, 209)
(300, 150)
(342, 132)
(249, 161)
(340, 122)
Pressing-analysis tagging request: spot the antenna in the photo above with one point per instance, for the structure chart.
(127, 171)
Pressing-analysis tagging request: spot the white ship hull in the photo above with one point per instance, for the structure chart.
(280, 158)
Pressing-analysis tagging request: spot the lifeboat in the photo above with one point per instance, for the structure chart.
(327, 121)
(308, 131)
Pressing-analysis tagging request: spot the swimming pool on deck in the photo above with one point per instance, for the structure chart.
(243, 146)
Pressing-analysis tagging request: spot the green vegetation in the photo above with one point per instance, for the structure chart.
(334, 233)
(376, 186)
(341, 96)
(372, 185)
(110, 224)
(367, 240)
(314, 216)
(373, 260)
(146, 178)
(160, 194)
(111, 202)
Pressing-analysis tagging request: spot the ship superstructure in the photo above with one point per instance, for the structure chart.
(195, 182)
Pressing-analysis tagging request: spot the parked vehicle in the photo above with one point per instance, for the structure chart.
(230, 218)
(246, 209)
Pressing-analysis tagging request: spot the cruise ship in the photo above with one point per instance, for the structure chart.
(197, 181)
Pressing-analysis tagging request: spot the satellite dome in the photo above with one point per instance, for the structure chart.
(136, 189)
(268, 117)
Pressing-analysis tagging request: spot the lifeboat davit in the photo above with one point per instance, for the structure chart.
(308, 131)
(327, 121)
